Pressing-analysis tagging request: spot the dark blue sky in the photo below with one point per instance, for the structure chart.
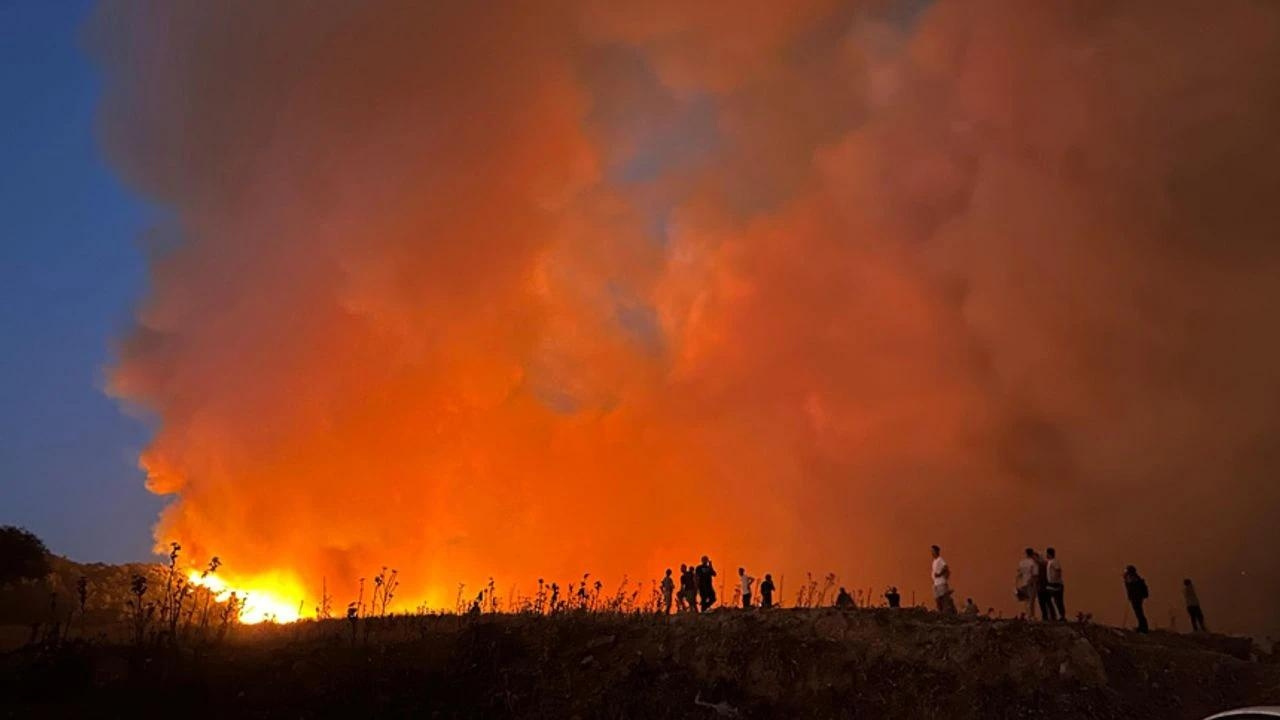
(71, 270)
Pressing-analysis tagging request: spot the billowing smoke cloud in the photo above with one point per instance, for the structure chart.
(522, 290)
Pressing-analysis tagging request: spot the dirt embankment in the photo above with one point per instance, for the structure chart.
(790, 663)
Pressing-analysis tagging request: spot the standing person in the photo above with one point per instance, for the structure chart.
(844, 599)
(747, 581)
(686, 584)
(892, 596)
(1042, 591)
(942, 582)
(1027, 583)
(766, 592)
(1053, 583)
(970, 608)
(1193, 606)
(668, 586)
(1136, 590)
(706, 585)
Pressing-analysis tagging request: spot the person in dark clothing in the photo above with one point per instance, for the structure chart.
(844, 599)
(1193, 606)
(688, 590)
(706, 584)
(668, 589)
(1136, 590)
(766, 592)
(895, 600)
(1043, 596)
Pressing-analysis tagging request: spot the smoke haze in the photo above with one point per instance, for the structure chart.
(526, 290)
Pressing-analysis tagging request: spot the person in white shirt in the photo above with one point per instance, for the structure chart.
(1053, 582)
(747, 582)
(1027, 583)
(942, 591)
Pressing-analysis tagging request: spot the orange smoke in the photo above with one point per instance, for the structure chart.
(476, 291)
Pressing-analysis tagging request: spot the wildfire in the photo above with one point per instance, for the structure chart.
(264, 599)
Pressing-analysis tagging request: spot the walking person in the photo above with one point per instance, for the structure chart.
(685, 599)
(1193, 606)
(668, 587)
(1027, 585)
(766, 592)
(1053, 583)
(747, 581)
(705, 575)
(942, 591)
(1135, 588)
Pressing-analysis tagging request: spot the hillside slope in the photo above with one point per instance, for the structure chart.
(790, 663)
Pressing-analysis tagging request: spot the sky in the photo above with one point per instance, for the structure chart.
(71, 270)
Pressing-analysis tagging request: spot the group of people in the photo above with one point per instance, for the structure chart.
(1039, 582)
(1136, 590)
(698, 591)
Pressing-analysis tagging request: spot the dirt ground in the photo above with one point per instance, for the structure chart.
(827, 663)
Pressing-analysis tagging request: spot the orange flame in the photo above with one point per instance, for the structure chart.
(274, 598)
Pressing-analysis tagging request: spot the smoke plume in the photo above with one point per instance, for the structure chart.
(527, 290)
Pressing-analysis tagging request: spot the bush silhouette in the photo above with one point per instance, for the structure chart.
(23, 556)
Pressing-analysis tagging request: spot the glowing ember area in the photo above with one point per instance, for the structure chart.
(529, 290)
(267, 600)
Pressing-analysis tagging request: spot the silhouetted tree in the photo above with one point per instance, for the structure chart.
(23, 556)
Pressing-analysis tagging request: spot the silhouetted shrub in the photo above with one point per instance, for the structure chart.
(23, 556)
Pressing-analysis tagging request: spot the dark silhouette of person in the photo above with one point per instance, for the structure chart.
(688, 591)
(766, 592)
(705, 575)
(1047, 611)
(1053, 583)
(668, 587)
(844, 599)
(1135, 588)
(895, 600)
(1193, 606)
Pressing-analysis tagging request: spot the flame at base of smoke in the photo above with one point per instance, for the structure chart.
(275, 597)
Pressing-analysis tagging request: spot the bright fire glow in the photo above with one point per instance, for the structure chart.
(264, 599)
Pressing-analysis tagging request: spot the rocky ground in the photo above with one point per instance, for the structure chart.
(825, 663)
